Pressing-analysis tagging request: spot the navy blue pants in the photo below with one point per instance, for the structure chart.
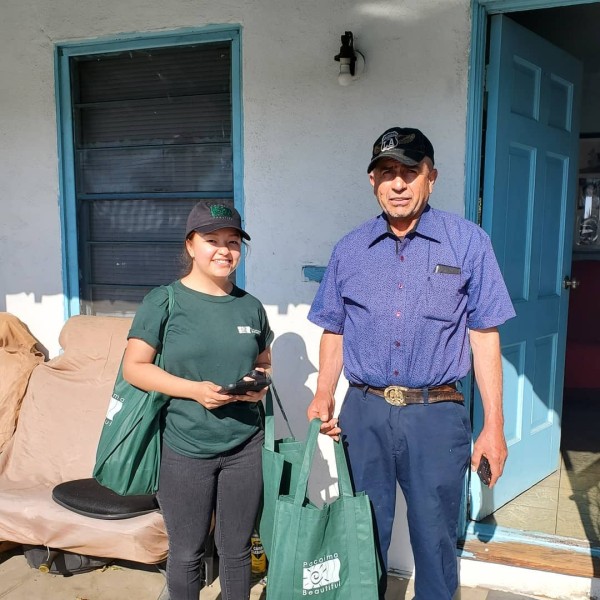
(426, 449)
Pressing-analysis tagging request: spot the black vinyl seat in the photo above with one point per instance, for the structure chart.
(90, 499)
(87, 497)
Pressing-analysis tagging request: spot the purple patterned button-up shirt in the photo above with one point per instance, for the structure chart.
(404, 305)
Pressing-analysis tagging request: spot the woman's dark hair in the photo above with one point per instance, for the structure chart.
(185, 260)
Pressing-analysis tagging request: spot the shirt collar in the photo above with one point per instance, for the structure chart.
(426, 227)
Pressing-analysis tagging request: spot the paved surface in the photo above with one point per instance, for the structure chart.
(126, 581)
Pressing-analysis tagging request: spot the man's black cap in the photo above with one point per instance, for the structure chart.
(405, 144)
(209, 215)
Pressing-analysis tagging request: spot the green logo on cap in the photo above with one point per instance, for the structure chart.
(218, 211)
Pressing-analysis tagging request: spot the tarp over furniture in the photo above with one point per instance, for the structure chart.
(61, 416)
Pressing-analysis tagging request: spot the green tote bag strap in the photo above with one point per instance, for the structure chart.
(281, 461)
(171, 293)
(270, 418)
(344, 481)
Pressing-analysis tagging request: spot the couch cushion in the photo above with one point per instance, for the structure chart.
(65, 404)
(30, 516)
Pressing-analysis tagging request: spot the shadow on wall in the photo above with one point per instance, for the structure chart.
(291, 370)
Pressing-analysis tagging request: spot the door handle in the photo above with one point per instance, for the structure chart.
(570, 283)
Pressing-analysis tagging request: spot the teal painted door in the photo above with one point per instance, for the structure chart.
(529, 189)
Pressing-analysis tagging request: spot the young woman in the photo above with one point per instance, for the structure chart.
(211, 457)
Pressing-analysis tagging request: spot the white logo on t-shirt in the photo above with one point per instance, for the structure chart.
(247, 329)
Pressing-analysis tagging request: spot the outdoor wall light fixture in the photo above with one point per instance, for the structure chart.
(352, 62)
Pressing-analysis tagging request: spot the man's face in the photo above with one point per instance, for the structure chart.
(402, 191)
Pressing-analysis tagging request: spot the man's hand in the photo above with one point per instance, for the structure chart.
(322, 408)
(492, 444)
(330, 369)
(487, 362)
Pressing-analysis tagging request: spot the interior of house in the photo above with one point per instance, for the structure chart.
(567, 503)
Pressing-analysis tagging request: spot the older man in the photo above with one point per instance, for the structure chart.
(403, 298)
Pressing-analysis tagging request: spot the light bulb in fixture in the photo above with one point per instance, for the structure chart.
(352, 62)
(345, 77)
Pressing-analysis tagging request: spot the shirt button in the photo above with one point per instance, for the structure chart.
(396, 373)
(400, 285)
(397, 344)
(398, 314)
(402, 258)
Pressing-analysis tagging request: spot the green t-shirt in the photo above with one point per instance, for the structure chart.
(208, 338)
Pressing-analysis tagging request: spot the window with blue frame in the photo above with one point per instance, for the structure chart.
(152, 134)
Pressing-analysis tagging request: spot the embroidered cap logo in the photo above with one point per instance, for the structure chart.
(389, 141)
(218, 211)
(393, 140)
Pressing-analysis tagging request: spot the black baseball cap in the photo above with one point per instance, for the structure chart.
(405, 144)
(210, 215)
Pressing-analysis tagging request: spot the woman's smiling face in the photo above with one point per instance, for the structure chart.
(215, 254)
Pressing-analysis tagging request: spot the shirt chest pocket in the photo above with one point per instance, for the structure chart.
(445, 296)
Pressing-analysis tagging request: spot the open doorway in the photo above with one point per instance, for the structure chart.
(567, 503)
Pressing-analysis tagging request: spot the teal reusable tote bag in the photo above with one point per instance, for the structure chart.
(281, 462)
(129, 449)
(327, 552)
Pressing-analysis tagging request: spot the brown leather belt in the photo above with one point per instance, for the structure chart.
(398, 395)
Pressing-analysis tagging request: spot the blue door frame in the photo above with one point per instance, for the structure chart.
(480, 10)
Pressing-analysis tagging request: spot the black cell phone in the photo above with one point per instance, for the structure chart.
(259, 381)
(484, 471)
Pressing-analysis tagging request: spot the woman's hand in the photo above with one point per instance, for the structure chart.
(262, 363)
(250, 396)
(207, 394)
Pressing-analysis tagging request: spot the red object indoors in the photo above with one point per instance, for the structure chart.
(582, 365)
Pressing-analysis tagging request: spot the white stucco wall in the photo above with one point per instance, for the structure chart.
(307, 143)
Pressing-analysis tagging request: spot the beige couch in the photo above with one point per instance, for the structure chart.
(61, 415)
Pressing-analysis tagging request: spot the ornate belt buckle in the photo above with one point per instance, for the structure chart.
(394, 394)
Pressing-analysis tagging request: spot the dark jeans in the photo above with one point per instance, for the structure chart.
(190, 489)
(426, 448)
